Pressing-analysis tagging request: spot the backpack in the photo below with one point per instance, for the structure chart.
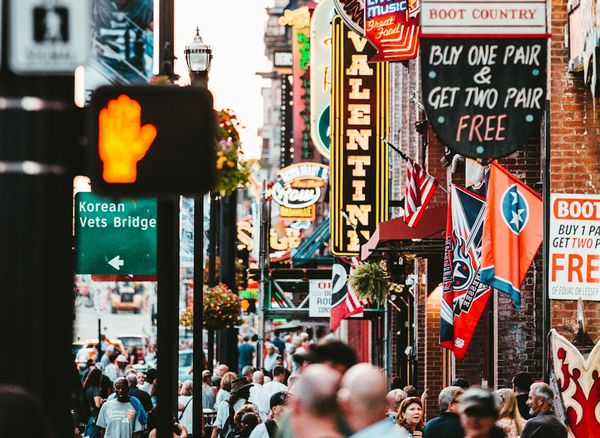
(272, 428)
(230, 430)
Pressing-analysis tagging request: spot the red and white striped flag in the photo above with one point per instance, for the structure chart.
(420, 187)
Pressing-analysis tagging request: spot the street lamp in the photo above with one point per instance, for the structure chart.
(198, 56)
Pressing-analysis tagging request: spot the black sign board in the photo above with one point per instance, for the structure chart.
(484, 97)
(152, 141)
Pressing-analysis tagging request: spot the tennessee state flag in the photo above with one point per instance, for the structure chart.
(512, 232)
(465, 297)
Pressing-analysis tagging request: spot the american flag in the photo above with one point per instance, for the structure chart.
(420, 187)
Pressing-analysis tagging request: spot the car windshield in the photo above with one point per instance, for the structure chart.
(185, 359)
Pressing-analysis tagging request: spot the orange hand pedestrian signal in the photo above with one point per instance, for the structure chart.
(141, 146)
(122, 140)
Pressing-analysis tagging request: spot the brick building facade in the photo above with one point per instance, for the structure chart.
(574, 151)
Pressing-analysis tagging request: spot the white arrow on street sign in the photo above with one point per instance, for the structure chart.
(116, 262)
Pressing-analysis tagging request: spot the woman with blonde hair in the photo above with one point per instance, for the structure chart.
(510, 419)
(410, 416)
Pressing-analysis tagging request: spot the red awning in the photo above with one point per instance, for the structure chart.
(393, 233)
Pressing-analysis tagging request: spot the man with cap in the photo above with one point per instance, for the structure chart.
(115, 369)
(478, 414)
(269, 428)
(332, 353)
(543, 422)
(239, 394)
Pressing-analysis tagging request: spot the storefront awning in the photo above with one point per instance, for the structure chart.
(395, 235)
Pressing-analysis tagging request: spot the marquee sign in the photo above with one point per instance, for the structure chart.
(392, 26)
(485, 97)
(280, 242)
(320, 75)
(359, 158)
(299, 188)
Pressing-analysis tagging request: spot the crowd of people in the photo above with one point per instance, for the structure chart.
(316, 390)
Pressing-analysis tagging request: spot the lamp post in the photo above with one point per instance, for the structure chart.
(198, 56)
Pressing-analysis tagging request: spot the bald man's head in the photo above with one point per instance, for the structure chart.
(316, 390)
(363, 392)
(258, 377)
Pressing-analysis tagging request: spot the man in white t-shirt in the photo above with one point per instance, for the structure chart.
(276, 385)
(118, 417)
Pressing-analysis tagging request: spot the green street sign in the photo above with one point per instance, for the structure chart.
(114, 236)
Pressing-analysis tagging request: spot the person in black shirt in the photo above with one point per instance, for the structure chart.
(136, 392)
(520, 385)
(447, 425)
(544, 423)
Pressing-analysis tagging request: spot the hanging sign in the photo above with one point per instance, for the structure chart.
(393, 28)
(320, 75)
(299, 20)
(353, 14)
(359, 158)
(484, 97)
(299, 188)
(468, 17)
(319, 298)
(574, 247)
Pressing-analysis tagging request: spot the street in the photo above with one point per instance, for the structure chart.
(86, 322)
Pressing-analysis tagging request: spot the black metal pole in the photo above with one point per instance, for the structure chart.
(212, 241)
(168, 315)
(198, 364)
(227, 351)
(167, 261)
(545, 246)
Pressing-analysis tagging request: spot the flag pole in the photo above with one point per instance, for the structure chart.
(405, 157)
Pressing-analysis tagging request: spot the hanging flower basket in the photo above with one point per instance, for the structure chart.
(222, 309)
(369, 281)
(233, 171)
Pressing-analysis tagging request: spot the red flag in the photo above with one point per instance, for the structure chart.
(465, 297)
(344, 303)
(420, 187)
(512, 232)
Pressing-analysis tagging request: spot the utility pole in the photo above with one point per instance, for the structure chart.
(167, 261)
(263, 266)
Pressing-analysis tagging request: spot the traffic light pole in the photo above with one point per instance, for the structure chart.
(167, 262)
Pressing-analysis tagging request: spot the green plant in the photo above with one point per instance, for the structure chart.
(232, 170)
(369, 280)
(222, 309)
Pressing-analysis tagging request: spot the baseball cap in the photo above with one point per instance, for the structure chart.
(121, 358)
(277, 399)
(478, 402)
(329, 351)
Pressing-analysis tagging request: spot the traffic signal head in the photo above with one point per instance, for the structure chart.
(152, 141)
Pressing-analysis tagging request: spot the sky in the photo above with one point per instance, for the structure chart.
(235, 30)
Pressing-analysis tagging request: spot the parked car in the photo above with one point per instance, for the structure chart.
(82, 357)
(126, 298)
(91, 343)
(140, 341)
